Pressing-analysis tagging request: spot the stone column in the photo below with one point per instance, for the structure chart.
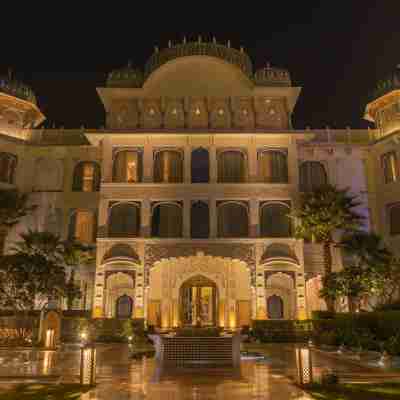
(301, 296)
(145, 218)
(213, 218)
(98, 293)
(213, 164)
(252, 161)
(102, 218)
(107, 161)
(148, 163)
(186, 218)
(139, 294)
(254, 218)
(187, 165)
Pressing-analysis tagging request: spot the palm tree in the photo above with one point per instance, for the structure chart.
(323, 212)
(367, 258)
(13, 206)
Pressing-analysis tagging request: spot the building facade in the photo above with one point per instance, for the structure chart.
(186, 191)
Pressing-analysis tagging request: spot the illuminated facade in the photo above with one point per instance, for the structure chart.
(186, 190)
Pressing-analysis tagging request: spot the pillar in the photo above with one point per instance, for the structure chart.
(213, 164)
(148, 163)
(254, 218)
(187, 165)
(107, 161)
(252, 161)
(213, 218)
(301, 297)
(146, 218)
(186, 218)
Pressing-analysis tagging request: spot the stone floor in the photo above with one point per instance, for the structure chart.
(120, 378)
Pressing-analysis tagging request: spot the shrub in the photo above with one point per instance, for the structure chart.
(198, 332)
(329, 378)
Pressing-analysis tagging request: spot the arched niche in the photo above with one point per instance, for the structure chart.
(124, 220)
(275, 220)
(168, 166)
(200, 220)
(200, 166)
(233, 220)
(312, 175)
(167, 220)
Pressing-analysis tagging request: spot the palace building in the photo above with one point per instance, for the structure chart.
(186, 191)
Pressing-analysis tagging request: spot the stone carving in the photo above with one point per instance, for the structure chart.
(220, 114)
(197, 114)
(174, 115)
(240, 251)
(151, 115)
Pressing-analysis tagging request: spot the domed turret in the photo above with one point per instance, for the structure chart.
(17, 89)
(384, 108)
(271, 76)
(390, 83)
(126, 77)
(212, 49)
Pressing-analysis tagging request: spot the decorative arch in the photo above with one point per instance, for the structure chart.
(48, 175)
(232, 166)
(200, 220)
(128, 166)
(167, 220)
(200, 165)
(86, 177)
(124, 220)
(121, 251)
(312, 175)
(83, 225)
(8, 165)
(275, 221)
(168, 166)
(233, 219)
(273, 166)
(278, 252)
(275, 307)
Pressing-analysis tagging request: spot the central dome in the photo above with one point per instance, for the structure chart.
(213, 49)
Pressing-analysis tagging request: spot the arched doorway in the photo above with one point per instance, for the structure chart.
(124, 307)
(198, 302)
(275, 307)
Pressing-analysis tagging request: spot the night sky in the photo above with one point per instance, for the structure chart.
(335, 50)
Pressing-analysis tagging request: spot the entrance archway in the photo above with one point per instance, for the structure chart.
(198, 301)
(275, 307)
(124, 307)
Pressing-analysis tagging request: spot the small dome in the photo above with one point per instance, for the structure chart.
(271, 76)
(126, 77)
(391, 82)
(17, 89)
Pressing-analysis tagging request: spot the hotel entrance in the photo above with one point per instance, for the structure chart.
(198, 302)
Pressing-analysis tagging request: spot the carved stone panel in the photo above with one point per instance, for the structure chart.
(270, 113)
(151, 114)
(243, 116)
(220, 113)
(123, 115)
(174, 115)
(197, 113)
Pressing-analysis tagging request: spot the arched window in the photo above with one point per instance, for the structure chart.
(86, 177)
(82, 226)
(8, 165)
(272, 166)
(124, 220)
(200, 220)
(232, 167)
(127, 166)
(275, 221)
(168, 166)
(312, 175)
(394, 219)
(167, 220)
(232, 220)
(275, 307)
(124, 307)
(200, 166)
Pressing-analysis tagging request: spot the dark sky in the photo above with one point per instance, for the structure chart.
(335, 50)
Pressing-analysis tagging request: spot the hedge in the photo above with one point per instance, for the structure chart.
(281, 330)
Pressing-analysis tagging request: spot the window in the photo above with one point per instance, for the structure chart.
(124, 220)
(83, 226)
(167, 220)
(312, 175)
(8, 164)
(86, 177)
(275, 221)
(272, 166)
(390, 169)
(200, 225)
(168, 166)
(200, 166)
(232, 167)
(127, 167)
(233, 220)
(394, 219)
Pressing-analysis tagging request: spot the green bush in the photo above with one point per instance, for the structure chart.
(281, 330)
(198, 332)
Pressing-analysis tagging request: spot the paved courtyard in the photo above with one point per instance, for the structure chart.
(120, 378)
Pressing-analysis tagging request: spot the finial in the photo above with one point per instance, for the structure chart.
(214, 40)
(199, 39)
(184, 40)
(268, 65)
(241, 49)
(229, 43)
(169, 44)
(156, 49)
(129, 63)
(10, 73)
